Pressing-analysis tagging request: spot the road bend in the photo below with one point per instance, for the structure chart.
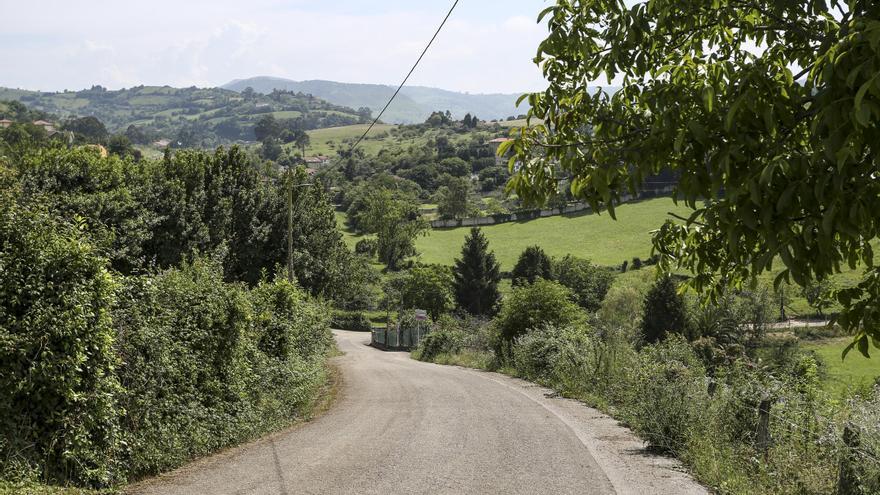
(400, 426)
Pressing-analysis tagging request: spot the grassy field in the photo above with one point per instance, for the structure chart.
(843, 375)
(597, 237)
(518, 123)
(327, 141)
(608, 242)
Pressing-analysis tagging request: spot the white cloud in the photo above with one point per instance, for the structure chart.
(209, 43)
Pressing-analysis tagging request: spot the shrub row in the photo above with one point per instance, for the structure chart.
(351, 320)
(679, 398)
(108, 378)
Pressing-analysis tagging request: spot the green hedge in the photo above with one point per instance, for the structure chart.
(105, 379)
(351, 320)
(209, 364)
(58, 389)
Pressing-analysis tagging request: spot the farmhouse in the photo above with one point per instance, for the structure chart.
(49, 127)
(5, 123)
(319, 160)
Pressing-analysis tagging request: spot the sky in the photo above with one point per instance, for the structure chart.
(486, 47)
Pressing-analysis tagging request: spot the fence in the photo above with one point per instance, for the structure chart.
(533, 214)
(398, 339)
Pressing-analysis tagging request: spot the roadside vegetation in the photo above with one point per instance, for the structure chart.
(778, 171)
(748, 410)
(145, 317)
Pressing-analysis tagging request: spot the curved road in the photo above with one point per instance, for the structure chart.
(402, 426)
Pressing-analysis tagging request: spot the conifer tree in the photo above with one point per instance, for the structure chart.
(664, 311)
(476, 275)
(532, 264)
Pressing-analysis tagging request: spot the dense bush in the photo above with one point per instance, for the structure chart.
(102, 383)
(427, 287)
(536, 352)
(208, 364)
(735, 321)
(443, 339)
(668, 390)
(532, 264)
(58, 412)
(535, 306)
(665, 312)
(623, 307)
(366, 247)
(351, 320)
(588, 283)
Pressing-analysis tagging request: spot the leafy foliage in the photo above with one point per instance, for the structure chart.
(394, 219)
(476, 276)
(208, 364)
(532, 264)
(109, 193)
(776, 165)
(105, 384)
(60, 392)
(455, 198)
(351, 320)
(429, 288)
(588, 283)
(665, 312)
(532, 307)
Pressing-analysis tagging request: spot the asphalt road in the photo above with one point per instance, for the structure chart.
(402, 426)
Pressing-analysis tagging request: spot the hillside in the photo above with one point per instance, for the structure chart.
(413, 104)
(194, 116)
(328, 141)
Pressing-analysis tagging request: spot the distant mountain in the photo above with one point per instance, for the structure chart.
(193, 116)
(413, 105)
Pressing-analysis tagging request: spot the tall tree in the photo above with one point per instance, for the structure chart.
(267, 128)
(533, 263)
(320, 257)
(429, 288)
(396, 221)
(87, 129)
(665, 311)
(776, 148)
(455, 198)
(588, 283)
(476, 276)
(302, 141)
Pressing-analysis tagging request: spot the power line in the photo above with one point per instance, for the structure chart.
(405, 79)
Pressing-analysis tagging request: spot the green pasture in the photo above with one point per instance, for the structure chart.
(596, 237)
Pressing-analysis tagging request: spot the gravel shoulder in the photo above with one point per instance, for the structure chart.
(402, 426)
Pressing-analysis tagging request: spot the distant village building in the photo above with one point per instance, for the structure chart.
(5, 123)
(49, 127)
(319, 160)
(162, 143)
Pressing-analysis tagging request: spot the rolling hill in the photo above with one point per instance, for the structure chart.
(414, 103)
(195, 116)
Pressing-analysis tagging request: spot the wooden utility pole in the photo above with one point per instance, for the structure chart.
(289, 225)
(290, 205)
